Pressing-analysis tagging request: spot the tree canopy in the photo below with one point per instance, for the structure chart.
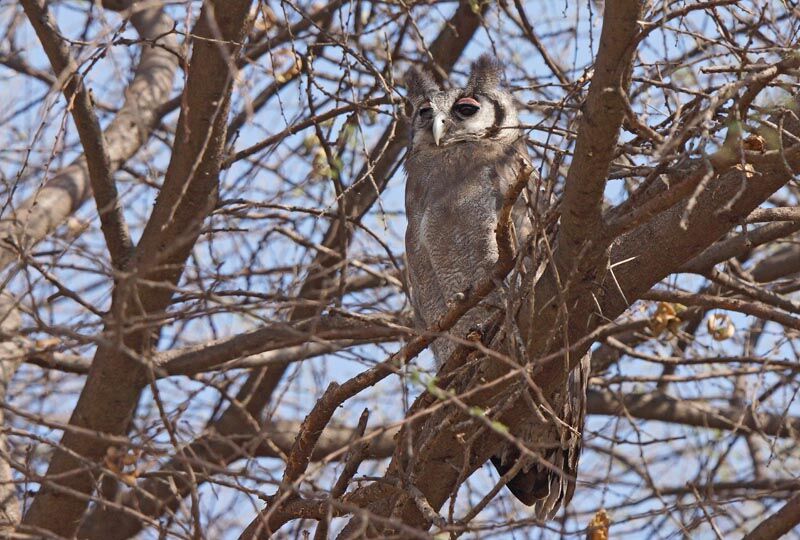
(205, 323)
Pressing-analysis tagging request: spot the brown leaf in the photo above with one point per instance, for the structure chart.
(293, 70)
(123, 463)
(474, 335)
(748, 170)
(266, 21)
(598, 527)
(130, 478)
(666, 317)
(720, 326)
(46, 343)
(755, 143)
(111, 459)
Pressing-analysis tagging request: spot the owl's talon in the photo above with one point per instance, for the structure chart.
(456, 298)
(475, 332)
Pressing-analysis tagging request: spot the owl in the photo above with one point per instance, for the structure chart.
(464, 155)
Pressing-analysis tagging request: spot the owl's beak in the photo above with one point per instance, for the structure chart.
(438, 127)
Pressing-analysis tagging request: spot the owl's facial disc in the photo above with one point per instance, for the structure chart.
(455, 116)
(462, 110)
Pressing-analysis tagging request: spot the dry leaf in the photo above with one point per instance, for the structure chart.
(46, 343)
(130, 478)
(749, 170)
(75, 227)
(290, 73)
(666, 317)
(112, 459)
(755, 143)
(123, 464)
(474, 335)
(598, 527)
(720, 326)
(266, 20)
(587, 76)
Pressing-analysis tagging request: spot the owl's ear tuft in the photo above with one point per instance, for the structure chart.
(486, 74)
(419, 84)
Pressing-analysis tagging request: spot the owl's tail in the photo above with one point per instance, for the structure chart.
(546, 487)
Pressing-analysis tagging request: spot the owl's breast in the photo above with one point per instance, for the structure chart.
(452, 219)
(453, 197)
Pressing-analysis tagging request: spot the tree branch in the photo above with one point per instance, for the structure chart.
(117, 376)
(738, 245)
(603, 112)
(336, 394)
(779, 523)
(363, 193)
(663, 408)
(727, 197)
(79, 99)
(10, 359)
(61, 196)
(755, 309)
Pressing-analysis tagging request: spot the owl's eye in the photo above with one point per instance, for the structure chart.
(466, 106)
(426, 113)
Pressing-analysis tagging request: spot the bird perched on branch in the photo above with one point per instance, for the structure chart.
(465, 153)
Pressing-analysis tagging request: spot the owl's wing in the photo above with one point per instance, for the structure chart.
(545, 488)
(542, 487)
(531, 205)
(423, 284)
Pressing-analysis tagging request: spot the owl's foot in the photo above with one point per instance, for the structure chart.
(476, 332)
(456, 299)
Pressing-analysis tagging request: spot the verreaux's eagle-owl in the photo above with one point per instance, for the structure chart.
(464, 154)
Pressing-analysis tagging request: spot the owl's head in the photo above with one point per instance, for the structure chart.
(481, 110)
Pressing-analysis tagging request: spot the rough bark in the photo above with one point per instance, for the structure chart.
(10, 359)
(779, 523)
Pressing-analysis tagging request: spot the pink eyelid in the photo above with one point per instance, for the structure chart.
(468, 101)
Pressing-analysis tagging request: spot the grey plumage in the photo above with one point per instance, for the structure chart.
(465, 153)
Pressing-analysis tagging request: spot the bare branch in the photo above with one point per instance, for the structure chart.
(779, 523)
(603, 112)
(79, 97)
(65, 193)
(113, 386)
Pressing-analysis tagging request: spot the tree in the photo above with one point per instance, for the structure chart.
(206, 331)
